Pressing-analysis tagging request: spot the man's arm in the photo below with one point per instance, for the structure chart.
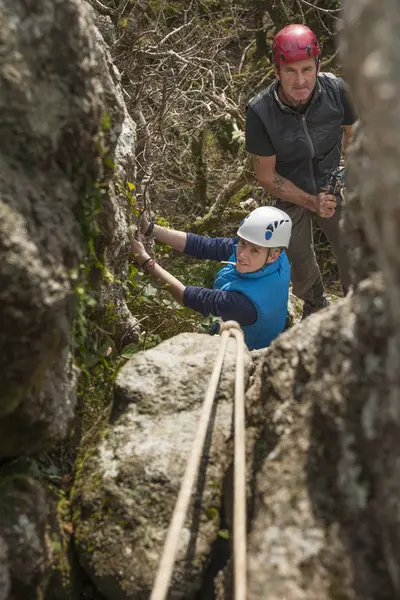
(348, 131)
(273, 183)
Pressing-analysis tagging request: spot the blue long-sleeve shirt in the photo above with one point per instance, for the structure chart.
(227, 305)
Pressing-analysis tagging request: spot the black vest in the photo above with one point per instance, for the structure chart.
(307, 146)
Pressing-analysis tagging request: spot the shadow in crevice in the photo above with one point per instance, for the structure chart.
(199, 491)
(220, 554)
(221, 550)
(266, 442)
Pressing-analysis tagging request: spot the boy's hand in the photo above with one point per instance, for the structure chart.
(139, 253)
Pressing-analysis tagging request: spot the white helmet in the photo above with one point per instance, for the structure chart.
(266, 226)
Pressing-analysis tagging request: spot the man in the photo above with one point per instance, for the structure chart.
(252, 288)
(297, 130)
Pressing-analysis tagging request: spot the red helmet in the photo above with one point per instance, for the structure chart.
(293, 43)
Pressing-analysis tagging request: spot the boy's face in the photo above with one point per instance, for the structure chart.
(298, 80)
(250, 257)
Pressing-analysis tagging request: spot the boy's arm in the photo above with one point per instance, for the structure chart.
(217, 249)
(194, 245)
(149, 266)
(227, 305)
(170, 237)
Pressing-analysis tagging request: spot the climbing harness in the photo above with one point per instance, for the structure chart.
(166, 566)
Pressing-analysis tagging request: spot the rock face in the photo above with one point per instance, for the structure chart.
(23, 524)
(361, 191)
(60, 108)
(66, 154)
(113, 236)
(127, 486)
(319, 502)
(42, 145)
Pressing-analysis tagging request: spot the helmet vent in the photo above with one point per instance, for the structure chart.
(269, 232)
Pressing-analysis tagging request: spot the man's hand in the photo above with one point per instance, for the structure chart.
(325, 205)
(139, 253)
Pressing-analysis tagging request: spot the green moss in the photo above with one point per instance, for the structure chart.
(241, 195)
(212, 513)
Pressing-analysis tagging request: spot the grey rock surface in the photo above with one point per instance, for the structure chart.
(324, 459)
(5, 579)
(113, 239)
(47, 132)
(24, 555)
(58, 88)
(320, 474)
(128, 483)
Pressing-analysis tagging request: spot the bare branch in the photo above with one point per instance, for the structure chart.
(223, 198)
(329, 11)
(173, 32)
(102, 8)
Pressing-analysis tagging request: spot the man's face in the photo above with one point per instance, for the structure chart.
(298, 80)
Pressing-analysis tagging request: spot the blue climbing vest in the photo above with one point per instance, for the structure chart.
(268, 290)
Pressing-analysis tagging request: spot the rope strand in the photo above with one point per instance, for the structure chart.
(166, 566)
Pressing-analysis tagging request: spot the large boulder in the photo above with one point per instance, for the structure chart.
(128, 482)
(324, 486)
(63, 125)
(325, 462)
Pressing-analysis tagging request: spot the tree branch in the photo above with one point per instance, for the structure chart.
(228, 191)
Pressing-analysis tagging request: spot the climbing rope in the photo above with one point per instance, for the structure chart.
(168, 557)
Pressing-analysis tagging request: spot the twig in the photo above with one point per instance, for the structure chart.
(103, 9)
(327, 63)
(244, 55)
(329, 11)
(173, 32)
